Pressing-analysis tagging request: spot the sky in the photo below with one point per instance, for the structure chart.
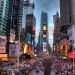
(49, 6)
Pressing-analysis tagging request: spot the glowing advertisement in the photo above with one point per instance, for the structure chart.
(14, 50)
(25, 48)
(3, 44)
(29, 38)
(12, 36)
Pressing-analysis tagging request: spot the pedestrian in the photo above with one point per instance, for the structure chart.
(62, 72)
(47, 66)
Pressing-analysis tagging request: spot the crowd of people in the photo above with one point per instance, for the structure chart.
(63, 67)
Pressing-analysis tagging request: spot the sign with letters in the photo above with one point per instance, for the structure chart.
(14, 50)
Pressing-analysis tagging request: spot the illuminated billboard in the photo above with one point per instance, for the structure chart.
(14, 50)
(29, 38)
(29, 49)
(33, 28)
(44, 35)
(3, 55)
(33, 35)
(44, 28)
(44, 43)
(25, 48)
(12, 36)
(3, 44)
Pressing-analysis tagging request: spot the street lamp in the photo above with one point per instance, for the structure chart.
(73, 54)
(73, 62)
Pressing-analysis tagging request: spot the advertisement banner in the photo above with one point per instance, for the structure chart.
(14, 50)
(3, 44)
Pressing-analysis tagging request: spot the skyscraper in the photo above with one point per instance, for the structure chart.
(44, 31)
(28, 8)
(56, 34)
(73, 12)
(20, 13)
(4, 6)
(15, 17)
(65, 13)
(14, 21)
(0, 3)
(30, 26)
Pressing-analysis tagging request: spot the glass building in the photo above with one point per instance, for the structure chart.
(44, 31)
(28, 8)
(4, 6)
(15, 17)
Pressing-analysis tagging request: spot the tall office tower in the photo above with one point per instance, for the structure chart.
(4, 6)
(30, 33)
(65, 13)
(0, 3)
(14, 22)
(38, 46)
(28, 8)
(44, 31)
(15, 18)
(73, 11)
(20, 14)
(56, 34)
(30, 28)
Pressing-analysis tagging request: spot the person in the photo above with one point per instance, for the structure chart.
(47, 66)
(62, 73)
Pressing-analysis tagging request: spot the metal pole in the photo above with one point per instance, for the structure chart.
(73, 52)
(73, 57)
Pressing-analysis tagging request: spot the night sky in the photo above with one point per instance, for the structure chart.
(49, 6)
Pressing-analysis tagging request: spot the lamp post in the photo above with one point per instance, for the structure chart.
(73, 62)
(73, 56)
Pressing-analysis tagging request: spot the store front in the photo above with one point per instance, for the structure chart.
(63, 48)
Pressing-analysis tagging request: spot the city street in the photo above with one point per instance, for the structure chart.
(37, 37)
(36, 73)
(41, 73)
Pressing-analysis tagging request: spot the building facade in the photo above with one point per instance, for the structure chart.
(71, 35)
(65, 13)
(73, 12)
(56, 34)
(30, 34)
(57, 24)
(14, 22)
(44, 31)
(0, 3)
(28, 8)
(11, 19)
(30, 26)
(15, 17)
(4, 6)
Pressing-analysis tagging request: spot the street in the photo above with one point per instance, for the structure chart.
(41, 73)
(36, 73)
